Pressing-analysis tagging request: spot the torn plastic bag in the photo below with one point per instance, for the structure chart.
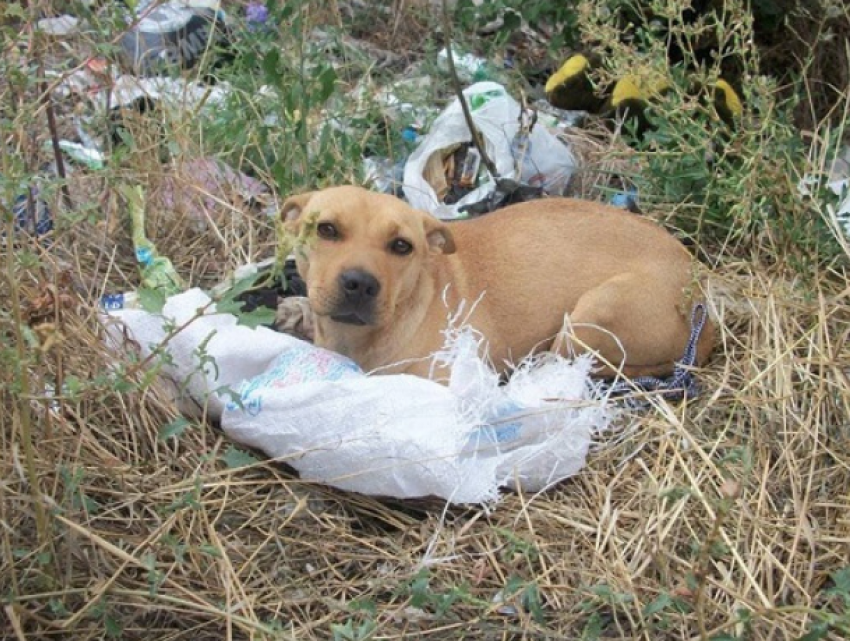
(30, 212)
(546, 162)
(176, 93)
(395, 435)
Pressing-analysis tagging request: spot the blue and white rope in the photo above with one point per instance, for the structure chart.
(681, 383)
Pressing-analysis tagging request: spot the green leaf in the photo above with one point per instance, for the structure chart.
(363, 604)
(92, 506)
(257, 317)
(240, 287)
(57, 608)
(365, 629)
(532, 602)
(513, 585)
(419, 589)
(818, 631)
(327, 83)
(660, 603)
(30, 337)
(270, 64)
(602, 590)
(210, 550)
(280, 173)
(174, 428)
(343, 632)
(605, 592)
(235, 458)
(229, 306)
(675, 493)
(151, 300)
(593, 628)
(15, 10)
(512, 21)
(841, 579)
(113, 627)
(73, 386)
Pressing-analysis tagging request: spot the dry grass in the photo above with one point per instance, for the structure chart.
(722, 516)
(604, 162)
(735, 501)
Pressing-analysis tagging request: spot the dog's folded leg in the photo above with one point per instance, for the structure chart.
(295, 317)
(633, 320)
(587, 338)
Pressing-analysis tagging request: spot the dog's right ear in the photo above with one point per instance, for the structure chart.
(439, 237)
(292, 209)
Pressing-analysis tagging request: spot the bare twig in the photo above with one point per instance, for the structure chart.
(476, 135)
(54, 142)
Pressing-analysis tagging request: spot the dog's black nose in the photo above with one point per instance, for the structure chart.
(359, 285)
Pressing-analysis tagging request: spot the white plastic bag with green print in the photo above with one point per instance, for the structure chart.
(546, 162)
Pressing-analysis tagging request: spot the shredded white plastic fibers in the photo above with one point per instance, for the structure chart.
(387, 435)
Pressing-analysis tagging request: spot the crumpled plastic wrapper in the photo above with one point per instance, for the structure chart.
(208, 190)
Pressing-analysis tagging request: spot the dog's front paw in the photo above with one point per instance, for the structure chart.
(295, 317)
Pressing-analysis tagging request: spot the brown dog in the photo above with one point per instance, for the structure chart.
(383, 279)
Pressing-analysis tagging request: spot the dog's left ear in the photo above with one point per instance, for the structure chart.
(439, 237)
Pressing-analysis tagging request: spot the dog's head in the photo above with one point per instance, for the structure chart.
(369, 254)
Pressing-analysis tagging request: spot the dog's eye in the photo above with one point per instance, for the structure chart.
(401, 247)
(327, 231)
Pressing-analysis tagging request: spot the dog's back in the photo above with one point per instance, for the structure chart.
(535, 262)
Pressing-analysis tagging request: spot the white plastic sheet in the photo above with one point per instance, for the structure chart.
(842, 213)
(396, 435)
(547, 162)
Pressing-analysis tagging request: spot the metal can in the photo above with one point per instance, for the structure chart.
(173, 36)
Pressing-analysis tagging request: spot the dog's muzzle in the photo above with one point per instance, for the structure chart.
(359, 293)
